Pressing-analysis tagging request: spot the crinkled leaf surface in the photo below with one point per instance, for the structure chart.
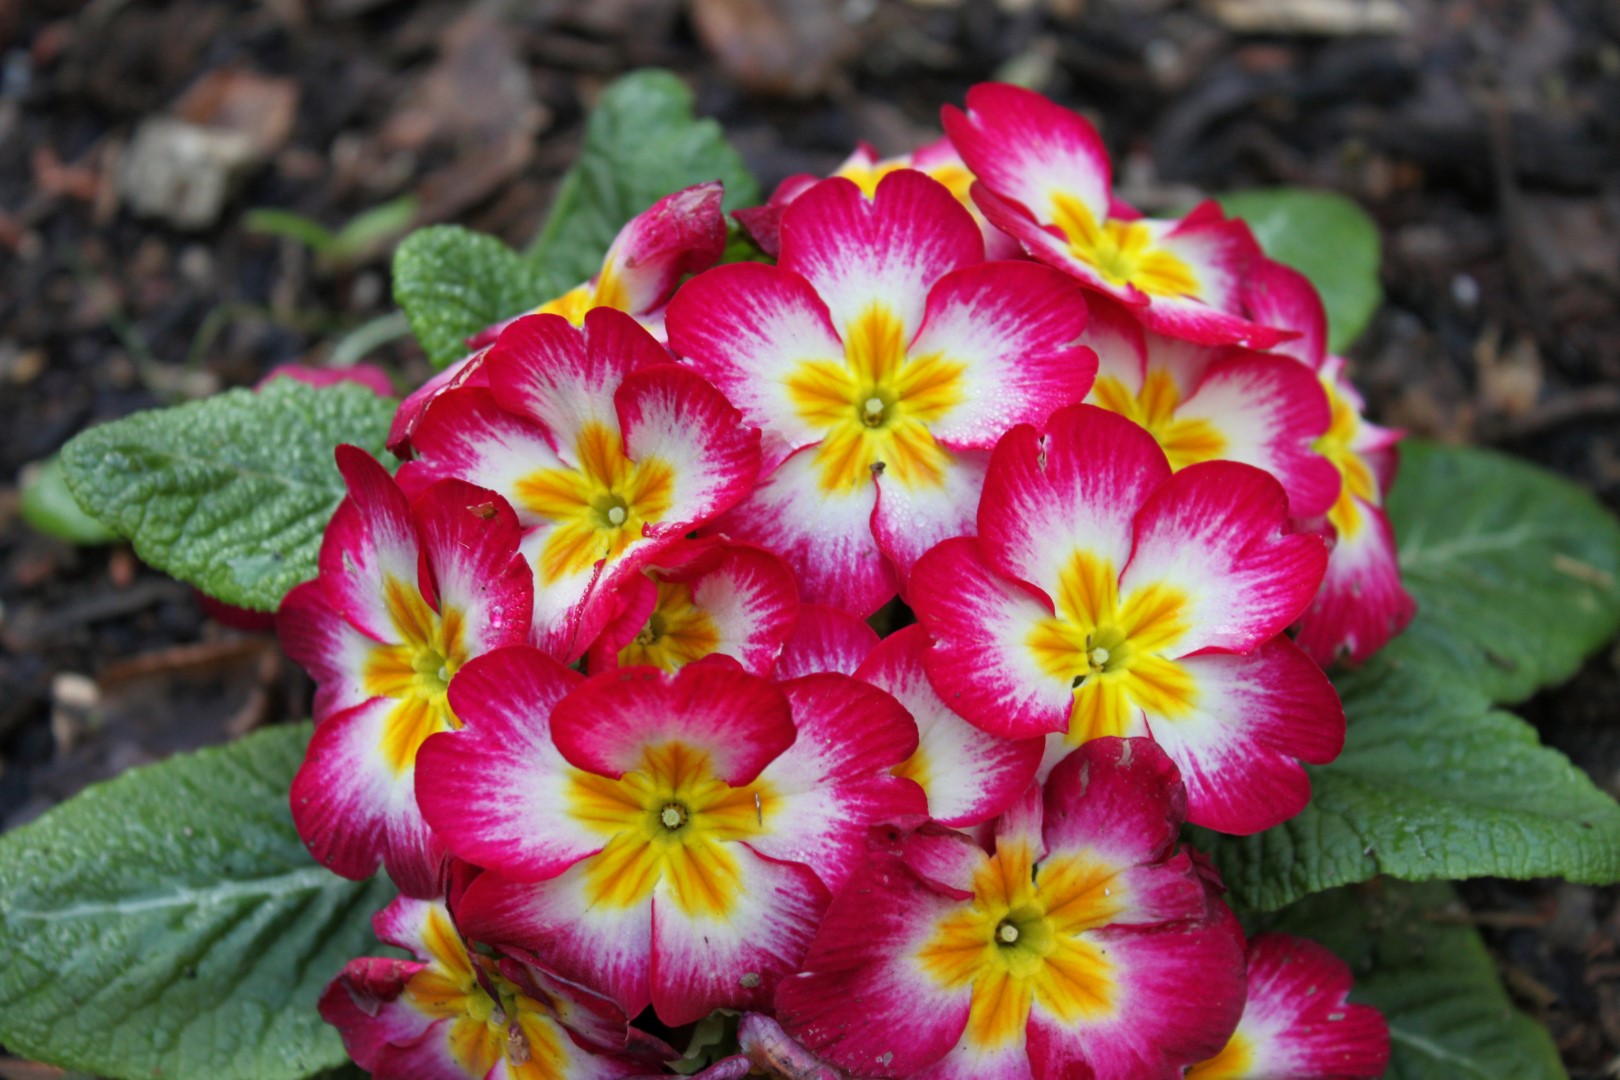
(642, 143)
(453, 282)
(50, 507)
(170, 923)
(1430, 975)
(233, 492)
(1326, 237)
(1515, 575)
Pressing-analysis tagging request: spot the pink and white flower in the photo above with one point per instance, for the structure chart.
(881, 358)
(406, 595)
(1044, 177)
(825, 639)
(699, 598)
(1106, 596)
(680, 234)
(1296, 1022)
(970, 775)
(1073, 948)
(1207, 403)
(937, 159)
(1362, 604)
(670, 839)
(608, 452)
(453, 1013)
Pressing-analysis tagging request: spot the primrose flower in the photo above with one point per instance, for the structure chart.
(1045, 179)
(680, 234)
(456, 1014)
(970, 775)
(698, 598)
(1296, 1022)
(937, 159)
(669, 839)
(825, 639)
(406, 595)
(1206, 403)
(881, 358)
(1362, 604)
(1105, 596)
(1083, 944)
(608, 452)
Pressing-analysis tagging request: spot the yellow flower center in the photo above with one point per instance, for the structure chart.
(1185, 441)
(1234, 1062)
(677, 633)
(1109, 649)
(672, 821)
(1122, 252)
(607, 290)
(600, 507)
(876, 404)
(416, 672)
(1023, 940)
(490, 1018)
(1358, 480)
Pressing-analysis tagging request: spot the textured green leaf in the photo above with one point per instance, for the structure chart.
(453, 282)
(50, 507)
(642, 143)
(170, 923)
(1326, 237)
(1429, 973)
(1517, 571)
(1434, 782)
(232, 493)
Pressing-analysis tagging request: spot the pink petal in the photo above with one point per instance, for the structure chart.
(1151, 1034)
(747, 328)
(1075, 490)
(353, 810)
(835, 781)
(826, 537)
(979, 663)
(497, 791)
(1025, 148)
(1296, 1021)
(468, 371)
(563, 377)
(1280, 296)
(862, 1003)
(1115, 335)
(1269, 411)
(673, 415)
(371, 536)
(734, 961)
(470, 539)
(969, 775)
(907, 521)
(325, 644)
(362, 1003)
(740, 720)
(1012, 326)
(682, 233)
(600, 946)
(1217, 532)
(1219, 251)
(890, 248)
(825, 639)
(1362, 604)
(1121, 798)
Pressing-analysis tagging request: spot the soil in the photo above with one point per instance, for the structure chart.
(1483, 135)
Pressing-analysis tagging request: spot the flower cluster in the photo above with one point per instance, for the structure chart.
(599, 685)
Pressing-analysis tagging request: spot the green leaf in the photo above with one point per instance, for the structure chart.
(1516, 571)
(170, 923)
(642, 143)
(1430, 975)
(231, 493)
(453, 283)
(1326, 237)
(1433, 782)
(50, 507)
